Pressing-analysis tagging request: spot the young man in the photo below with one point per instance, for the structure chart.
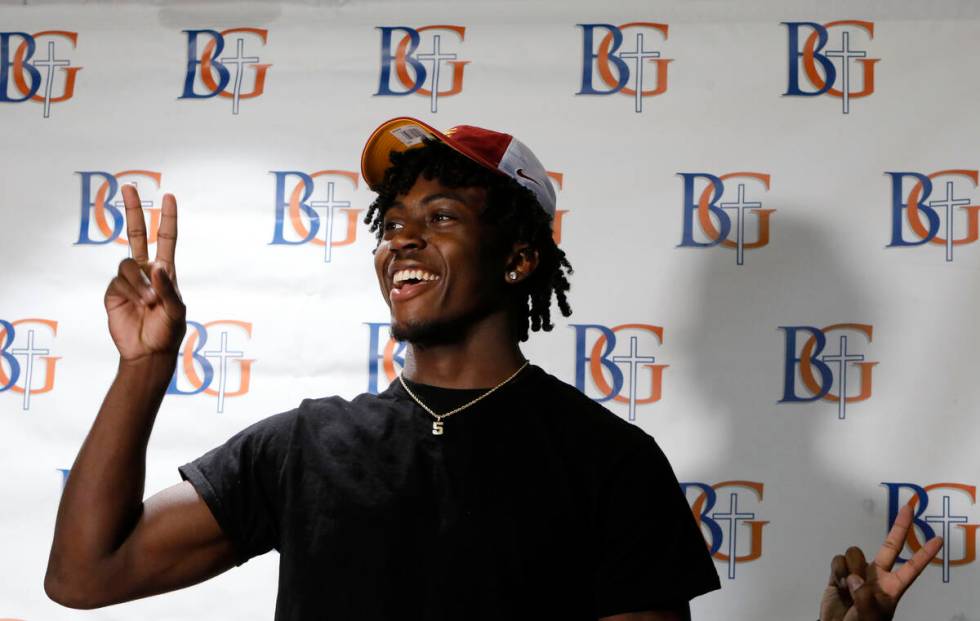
(475, 487)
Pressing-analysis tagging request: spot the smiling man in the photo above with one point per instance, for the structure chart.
(476, 487)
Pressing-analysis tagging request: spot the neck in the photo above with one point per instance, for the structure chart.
(486, 355)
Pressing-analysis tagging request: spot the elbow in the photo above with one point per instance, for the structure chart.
(62, 588)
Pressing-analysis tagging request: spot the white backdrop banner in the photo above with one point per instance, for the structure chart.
(777, 202)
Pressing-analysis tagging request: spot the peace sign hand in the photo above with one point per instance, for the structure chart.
(861, 592)
(146, 312)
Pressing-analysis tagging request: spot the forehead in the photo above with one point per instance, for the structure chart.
(424, 191)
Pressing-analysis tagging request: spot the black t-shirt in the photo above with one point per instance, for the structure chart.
(535, 503)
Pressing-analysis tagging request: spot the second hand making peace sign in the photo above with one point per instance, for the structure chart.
(146, 312)
(861, 592)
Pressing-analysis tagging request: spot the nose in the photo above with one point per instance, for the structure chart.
(408, 237)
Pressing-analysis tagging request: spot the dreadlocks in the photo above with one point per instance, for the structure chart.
(511, 207)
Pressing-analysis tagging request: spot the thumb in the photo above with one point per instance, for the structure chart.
(854, 582)
(172, 304)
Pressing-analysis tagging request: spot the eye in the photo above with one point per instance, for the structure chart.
(391, 225)
(443, 216)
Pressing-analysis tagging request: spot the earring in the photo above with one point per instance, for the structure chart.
(512, 275)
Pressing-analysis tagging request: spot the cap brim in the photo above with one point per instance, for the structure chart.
(401, 134)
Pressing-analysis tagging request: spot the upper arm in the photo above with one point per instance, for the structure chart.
(651, 555)
(681, 613)
(176, 543)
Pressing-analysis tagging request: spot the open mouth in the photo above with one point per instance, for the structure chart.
(410, 282)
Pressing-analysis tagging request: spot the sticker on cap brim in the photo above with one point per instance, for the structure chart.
(410, 135)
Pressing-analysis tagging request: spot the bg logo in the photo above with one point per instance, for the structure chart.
(909, 208)
(305, 223)
(712, 217)
(102, 208)
(31, 84)
(827, 80)
(558, 181)
(21, 359)
(383, 359)
(196, 372)
(416, 70)
(210, 71)
(819, 385)
(723, 543)
(623, 72)
(929, 521)
(597, 360)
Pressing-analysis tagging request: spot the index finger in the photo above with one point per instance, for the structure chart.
(167, 235)
(895, 540)
(135, 226)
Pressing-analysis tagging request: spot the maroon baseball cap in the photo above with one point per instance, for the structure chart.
(497, 151)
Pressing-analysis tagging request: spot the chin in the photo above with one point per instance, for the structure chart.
(431, 332)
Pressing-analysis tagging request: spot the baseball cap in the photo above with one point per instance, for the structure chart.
(497, 151)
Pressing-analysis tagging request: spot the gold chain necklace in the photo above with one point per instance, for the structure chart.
(437, 429)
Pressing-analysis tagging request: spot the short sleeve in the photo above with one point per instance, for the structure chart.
(239, 481)
(652, 556)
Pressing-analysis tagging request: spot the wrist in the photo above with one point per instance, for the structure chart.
(155, 369)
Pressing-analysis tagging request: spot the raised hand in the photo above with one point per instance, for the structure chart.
(146, 313)
(861, 592)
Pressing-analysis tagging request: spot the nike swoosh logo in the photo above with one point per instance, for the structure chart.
(520, 173)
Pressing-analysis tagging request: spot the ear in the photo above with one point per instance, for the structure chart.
(521, 263)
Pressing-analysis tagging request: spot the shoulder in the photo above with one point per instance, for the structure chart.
(314, 411)
(365, 416)
(570, 408)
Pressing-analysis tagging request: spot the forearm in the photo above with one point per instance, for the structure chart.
(103, 497)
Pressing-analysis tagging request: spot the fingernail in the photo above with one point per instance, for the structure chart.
(854, 583)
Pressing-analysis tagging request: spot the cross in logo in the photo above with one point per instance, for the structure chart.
(845, 54)
(842, 358)
(329, 205)
(30, 353)
(946, 520)
(949, 204)
(49, 65)
(740, 206)
(639, 55)
(733, 517)
(223, 355)
(239, 61)
(633, 360)
(436, 56)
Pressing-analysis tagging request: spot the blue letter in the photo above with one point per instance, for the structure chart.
(5, 66)
(830, 73)
(691, 208)
(387, 58)
(898, 208)
(589, 56)
(792, 361)
(193, 61)
(88, 205)
(582, 360)
(282, 204)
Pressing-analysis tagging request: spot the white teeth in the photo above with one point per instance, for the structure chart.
(403, 275)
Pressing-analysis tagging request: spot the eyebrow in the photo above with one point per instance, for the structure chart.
(434, 197)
